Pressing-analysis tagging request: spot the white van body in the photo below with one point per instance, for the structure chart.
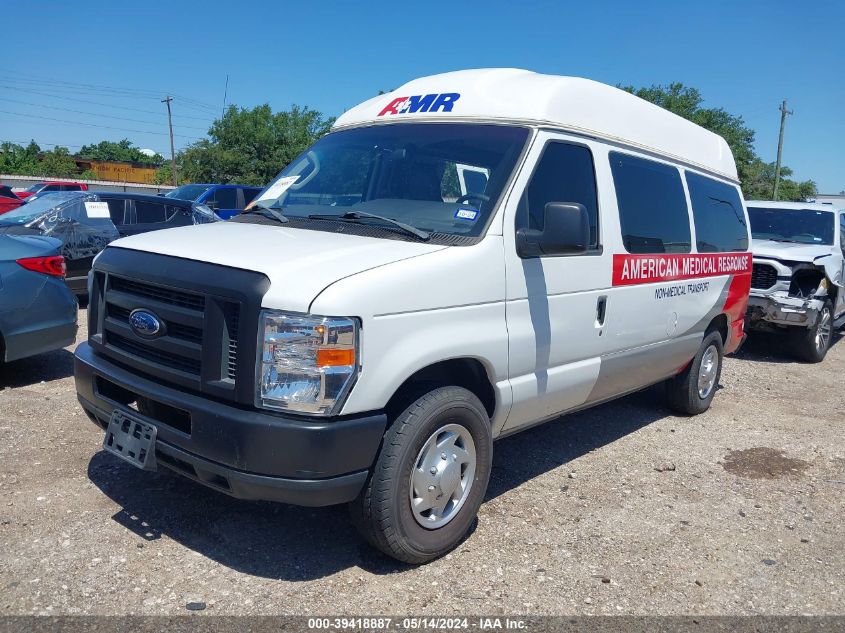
(531, 337)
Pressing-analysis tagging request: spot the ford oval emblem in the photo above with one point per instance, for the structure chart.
(145, 324)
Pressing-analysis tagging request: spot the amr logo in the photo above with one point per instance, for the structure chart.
(442, 102)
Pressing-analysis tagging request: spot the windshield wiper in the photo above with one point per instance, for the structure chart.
(351, 216)
(267, 212)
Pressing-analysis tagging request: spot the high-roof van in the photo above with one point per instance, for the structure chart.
(465, 257)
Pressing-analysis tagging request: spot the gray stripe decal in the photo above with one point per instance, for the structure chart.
(715, 311)
(636, 368)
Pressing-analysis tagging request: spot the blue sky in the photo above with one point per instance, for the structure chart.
(743, 56)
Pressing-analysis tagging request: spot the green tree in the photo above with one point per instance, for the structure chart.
(760, 183)
(753, 173)
(16, 159)
(163, 173)
(57, 163)
(251, 146)
(123, 150)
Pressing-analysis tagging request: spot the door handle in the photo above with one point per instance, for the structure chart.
(601, 310)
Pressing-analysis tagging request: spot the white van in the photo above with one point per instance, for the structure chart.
(470, 255)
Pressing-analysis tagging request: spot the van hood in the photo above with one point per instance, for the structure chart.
(300, 263)
(789, 251)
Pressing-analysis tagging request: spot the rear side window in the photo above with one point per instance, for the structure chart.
(117, 209)
(719, 220)
(226, 198)
(249, 195)
(149, 212)
(564, 173)
(652, 206)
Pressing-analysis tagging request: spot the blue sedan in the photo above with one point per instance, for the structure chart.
(37, 311)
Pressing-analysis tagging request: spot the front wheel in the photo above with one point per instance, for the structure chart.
(692, 391)
(429, 479)
(811, 344)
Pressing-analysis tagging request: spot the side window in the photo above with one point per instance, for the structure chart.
(564, 173)
(149, 212)
(226, 198)
(52, 188)
(172, 211)
(720, 225)
(652, 206)
(117, 211)
(249, 195)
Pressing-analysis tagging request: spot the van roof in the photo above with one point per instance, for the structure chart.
(798, 206)
(575, 104)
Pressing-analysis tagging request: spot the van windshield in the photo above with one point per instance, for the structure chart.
(436, 177)
(804, 226)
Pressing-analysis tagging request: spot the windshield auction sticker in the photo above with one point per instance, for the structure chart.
(278, 188)
(95, 209)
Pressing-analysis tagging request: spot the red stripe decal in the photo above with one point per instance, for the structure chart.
(646, 269)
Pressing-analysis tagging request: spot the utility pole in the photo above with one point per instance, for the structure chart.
(783, 114)
(225, 94)
(167, 100)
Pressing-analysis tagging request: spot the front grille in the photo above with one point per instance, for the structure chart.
(184, 347)
(763, 276)
(177, 330)
(165, 359)
(232, 325)
(209, 316)
(167, 295)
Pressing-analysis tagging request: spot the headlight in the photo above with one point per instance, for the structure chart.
(307, 363)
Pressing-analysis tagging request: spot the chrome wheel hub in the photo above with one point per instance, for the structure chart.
(442, 476)
(708, 371)
(823, 330)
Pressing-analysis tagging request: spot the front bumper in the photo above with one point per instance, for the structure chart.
(244, 453)
(782, 310)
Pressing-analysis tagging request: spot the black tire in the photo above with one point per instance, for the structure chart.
(682, 391)
(811, 344)
(382, 512)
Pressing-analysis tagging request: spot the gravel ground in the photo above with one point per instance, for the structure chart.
(623, 509)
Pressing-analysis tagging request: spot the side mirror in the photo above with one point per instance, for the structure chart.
(566, 231)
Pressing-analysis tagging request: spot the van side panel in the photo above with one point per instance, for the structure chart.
(556, 339)
(657, 306)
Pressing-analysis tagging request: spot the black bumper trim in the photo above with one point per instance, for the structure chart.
(245, 453)
(250, 486)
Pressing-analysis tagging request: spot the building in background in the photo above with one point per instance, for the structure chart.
(836, 199)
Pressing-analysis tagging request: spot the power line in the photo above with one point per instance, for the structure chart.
(76, 86)
(44, 143)
(105, 127)
(98, 103)
(108, 116)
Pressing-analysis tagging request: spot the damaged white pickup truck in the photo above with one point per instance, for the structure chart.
(797, 278)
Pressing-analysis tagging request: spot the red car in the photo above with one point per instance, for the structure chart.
(38, 187)
(8, 199)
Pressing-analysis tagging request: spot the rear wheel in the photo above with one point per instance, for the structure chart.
(811, 344)
(692, 391)
(429, 479)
